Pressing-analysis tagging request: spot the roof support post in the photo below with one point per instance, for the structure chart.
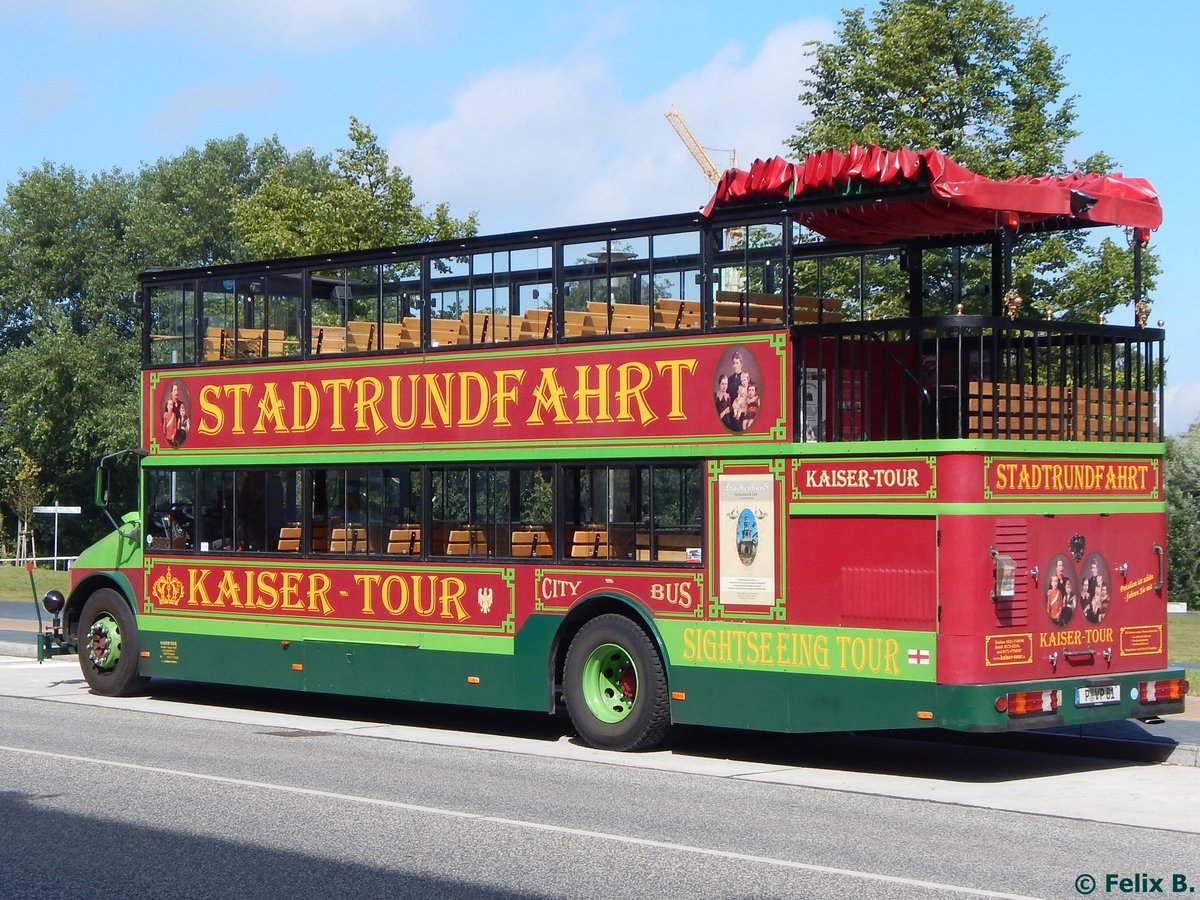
(1002, 253)
(910, 262)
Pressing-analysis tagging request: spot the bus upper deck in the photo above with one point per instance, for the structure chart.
(891, 270)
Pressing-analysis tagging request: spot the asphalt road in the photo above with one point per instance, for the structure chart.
(196, 792)
(1176, 739)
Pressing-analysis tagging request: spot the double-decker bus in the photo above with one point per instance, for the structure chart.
(802, 461)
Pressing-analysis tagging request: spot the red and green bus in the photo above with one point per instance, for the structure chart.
(805, 460)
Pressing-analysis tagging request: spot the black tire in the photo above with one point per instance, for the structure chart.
(121, 678)
(646, 715)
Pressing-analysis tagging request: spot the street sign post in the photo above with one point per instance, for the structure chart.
(57, 511)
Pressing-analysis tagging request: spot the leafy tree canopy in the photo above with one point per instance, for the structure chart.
(1182, 493)
(71, 246)
(360, 202)
(973, 80)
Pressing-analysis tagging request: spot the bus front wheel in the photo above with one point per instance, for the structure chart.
(616, 687)
(109, 645)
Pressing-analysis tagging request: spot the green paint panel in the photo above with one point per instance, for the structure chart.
(772, 701)
(326, 666)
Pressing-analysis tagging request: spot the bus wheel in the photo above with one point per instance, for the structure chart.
(616, 687)
(109, 646)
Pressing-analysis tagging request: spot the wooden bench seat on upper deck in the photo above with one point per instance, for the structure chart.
(360, 336)
(1019, 411)
(1055, 412)
(328, 339)
(537, 325)
(1114, 414)
(751, 308)
(673, 315)
(620, 318)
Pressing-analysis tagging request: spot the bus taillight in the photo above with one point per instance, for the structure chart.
(1161, 691)
(1028, 703)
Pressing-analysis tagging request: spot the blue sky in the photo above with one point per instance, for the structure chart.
(538, 112)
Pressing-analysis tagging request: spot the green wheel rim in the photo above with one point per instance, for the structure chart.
(609, 683)
(104, 643)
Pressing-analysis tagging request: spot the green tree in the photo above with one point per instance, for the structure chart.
(62, 249)
(183, 209)
(361, 202)
(1182, 494)
(974, 81)
(67, 399)
(22, 490)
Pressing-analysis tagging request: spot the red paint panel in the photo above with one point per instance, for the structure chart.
(668, 390)
(466, 599)
(1085, 602)
(862, 572)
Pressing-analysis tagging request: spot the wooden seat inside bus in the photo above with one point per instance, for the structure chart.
(589, 543)
(348, 539)
(360, 336)
(532, 542)
(319, 535)
(289, 539)
(466, 542)
(328, 339)
(673, 315)
(733, 308)
(669, 546)
(404, 540)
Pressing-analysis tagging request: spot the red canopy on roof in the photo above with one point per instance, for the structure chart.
(959, 201)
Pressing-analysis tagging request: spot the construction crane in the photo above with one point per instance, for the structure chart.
(693, 145)
(732, 278)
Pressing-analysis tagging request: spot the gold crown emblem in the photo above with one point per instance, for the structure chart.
(167, 589)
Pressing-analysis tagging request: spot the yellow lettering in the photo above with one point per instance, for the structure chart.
(548, 396)
(212, 419)
(270, 410)
(674, 369)
(369, 391)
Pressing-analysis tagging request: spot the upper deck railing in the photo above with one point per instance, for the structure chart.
(973, 377)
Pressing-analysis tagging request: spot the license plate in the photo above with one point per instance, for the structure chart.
(1097, 695)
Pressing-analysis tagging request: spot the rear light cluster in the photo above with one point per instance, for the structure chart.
(1161, 691)
(1028, 703)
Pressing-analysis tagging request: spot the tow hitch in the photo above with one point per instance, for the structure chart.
(50, 637)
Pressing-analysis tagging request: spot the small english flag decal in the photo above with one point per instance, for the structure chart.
(918, 657)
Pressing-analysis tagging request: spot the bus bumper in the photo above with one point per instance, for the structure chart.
(1019, 706)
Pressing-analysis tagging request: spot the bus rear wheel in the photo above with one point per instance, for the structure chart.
(109, 646)
(616, 687)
